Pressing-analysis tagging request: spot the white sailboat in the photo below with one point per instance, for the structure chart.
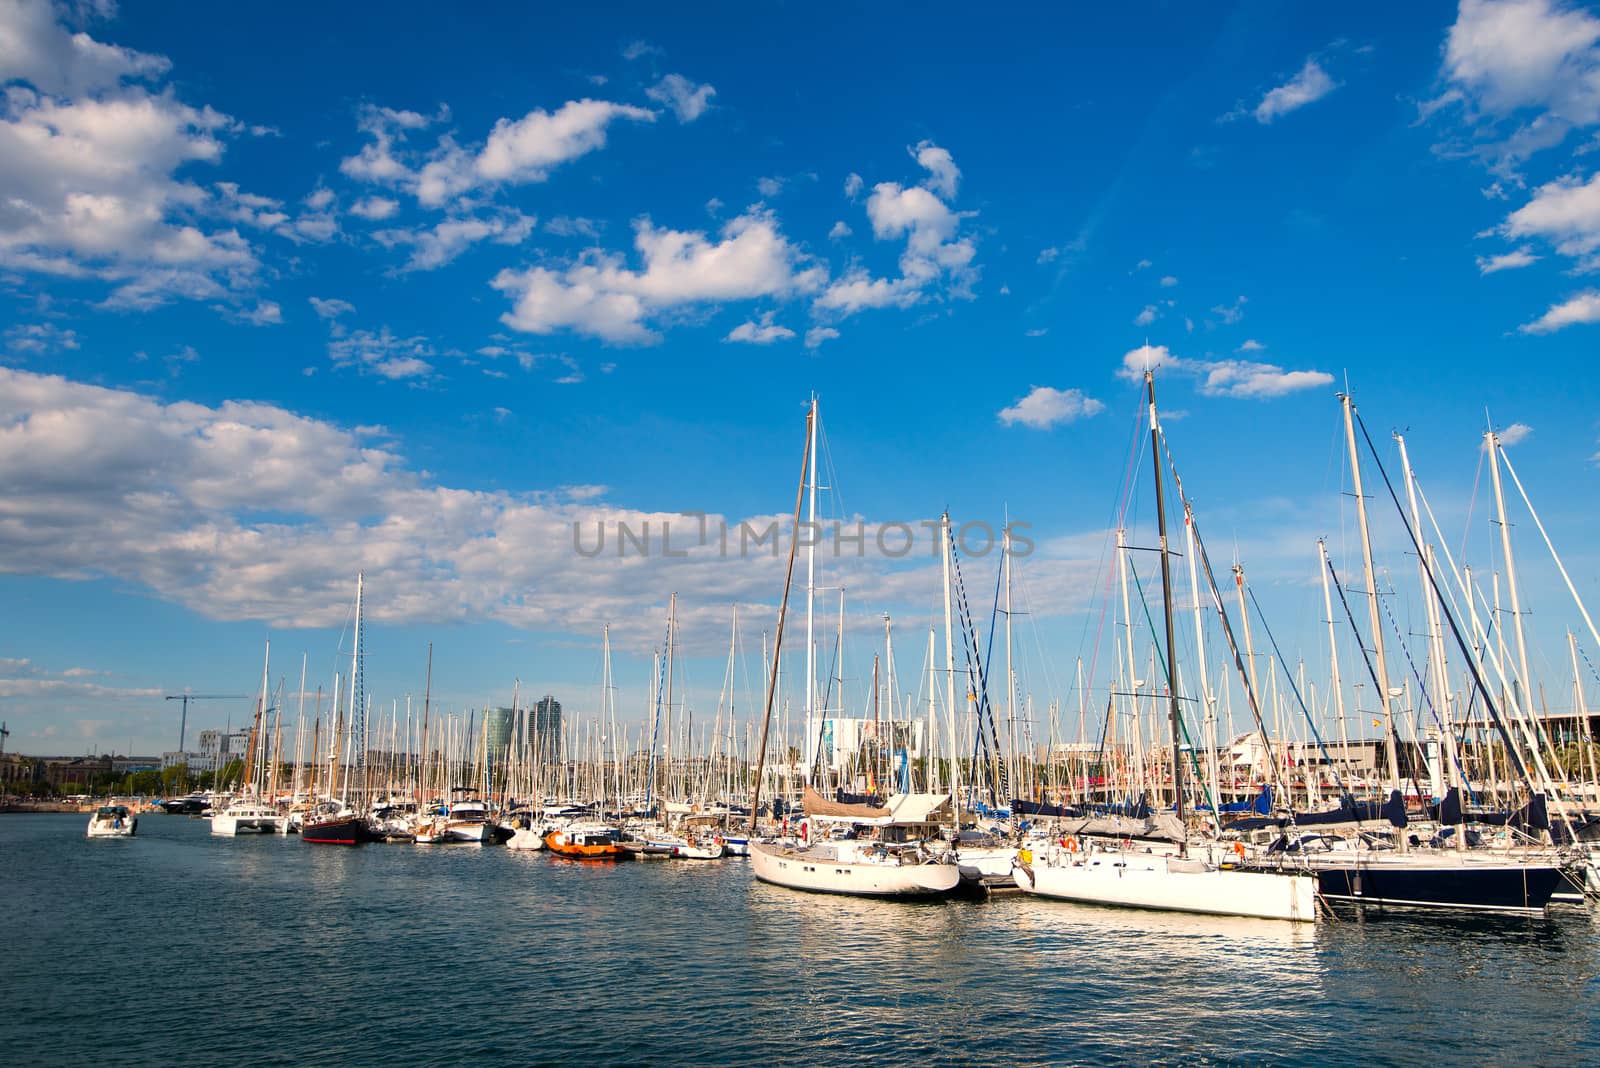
(1123, 877)
(248, 813)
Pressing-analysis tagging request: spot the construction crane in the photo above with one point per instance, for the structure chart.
(183, 722)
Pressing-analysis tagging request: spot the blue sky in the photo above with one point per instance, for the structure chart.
(292, 291)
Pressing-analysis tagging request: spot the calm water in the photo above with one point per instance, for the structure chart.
(177, 947)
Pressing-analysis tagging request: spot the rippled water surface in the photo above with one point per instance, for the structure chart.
(180, 948)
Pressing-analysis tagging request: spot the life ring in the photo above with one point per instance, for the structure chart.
(1238, 849)
(1070, 844)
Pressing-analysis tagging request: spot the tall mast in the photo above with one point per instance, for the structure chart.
(1333, 656)
(1492, 443)
(950, 677)
(1436, 655)
(1166, 608)
(1207, 701)
(666, 756)
(931, 778)
(358, 693)
(809, 477)
(1375, 622)
(1011, 679)
(249, 769)
(783, 612)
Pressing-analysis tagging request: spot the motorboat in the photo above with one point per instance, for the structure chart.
(112, 821)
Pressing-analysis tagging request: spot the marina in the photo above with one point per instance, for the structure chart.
(807, 534)
(850, 980)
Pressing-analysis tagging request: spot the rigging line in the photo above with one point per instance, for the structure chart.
(1222, 614)
(1488, 701)
(1295, 689)
(1402, 752)
(969, 643)
(1422, 687)
(1586, 660)
(655, 721)
(1183, 722)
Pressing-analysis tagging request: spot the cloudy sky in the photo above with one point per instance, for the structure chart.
(292, 291)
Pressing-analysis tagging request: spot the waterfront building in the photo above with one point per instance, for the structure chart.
(546, 730)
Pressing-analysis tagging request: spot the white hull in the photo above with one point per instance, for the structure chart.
(987, 862)
(1143, 881)
(105, 829)
(466, 832)
(226, 824)
(526, 839)
(824, 870)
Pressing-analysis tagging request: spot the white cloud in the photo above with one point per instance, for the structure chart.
(516, 152)
(434, 246)
(1038, 331)
(601, 297)
(852, 185)
(39, 338)
(818, 334)
(35, 49)
(764, 332)
(1143, 265)
(245, 511)
(1506, 261)
(1044, 407)
(1520, 75)
(1574, 311)
(1306, 87)
(382, 353)
(1049, 255)
(935, 255)
(687, 100)
(769, 187)
(1221, 378)
(1510, 55)
(90, 184)
(1514, 434)
(1168, 281)
(638, 49)
(375, 208)
(264, 313)
(331, 309)
(1251, 345)
(840, 231)
(943, 174)
(1231, 313)
(1565, 212)
(1147, 316)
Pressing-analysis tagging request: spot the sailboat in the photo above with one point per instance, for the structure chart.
(1112, 874)
(249, 813)
(334, 822)
(867, 867)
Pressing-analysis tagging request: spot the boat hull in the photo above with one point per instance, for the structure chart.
(100, 829)
(351, 830)
(1139, 881)
(558, 845)
(1513, 888)
(799, 871)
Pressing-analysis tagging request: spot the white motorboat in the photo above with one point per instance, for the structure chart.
(1097, 876)
(861, 868)
(113, 821)
(526, 838)
(247, 815)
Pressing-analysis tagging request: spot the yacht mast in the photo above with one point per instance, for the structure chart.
(1166, 609)
(1380, 661)
(810, 478)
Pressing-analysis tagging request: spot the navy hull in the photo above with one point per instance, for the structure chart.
(352, 830)
(1487, 888)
